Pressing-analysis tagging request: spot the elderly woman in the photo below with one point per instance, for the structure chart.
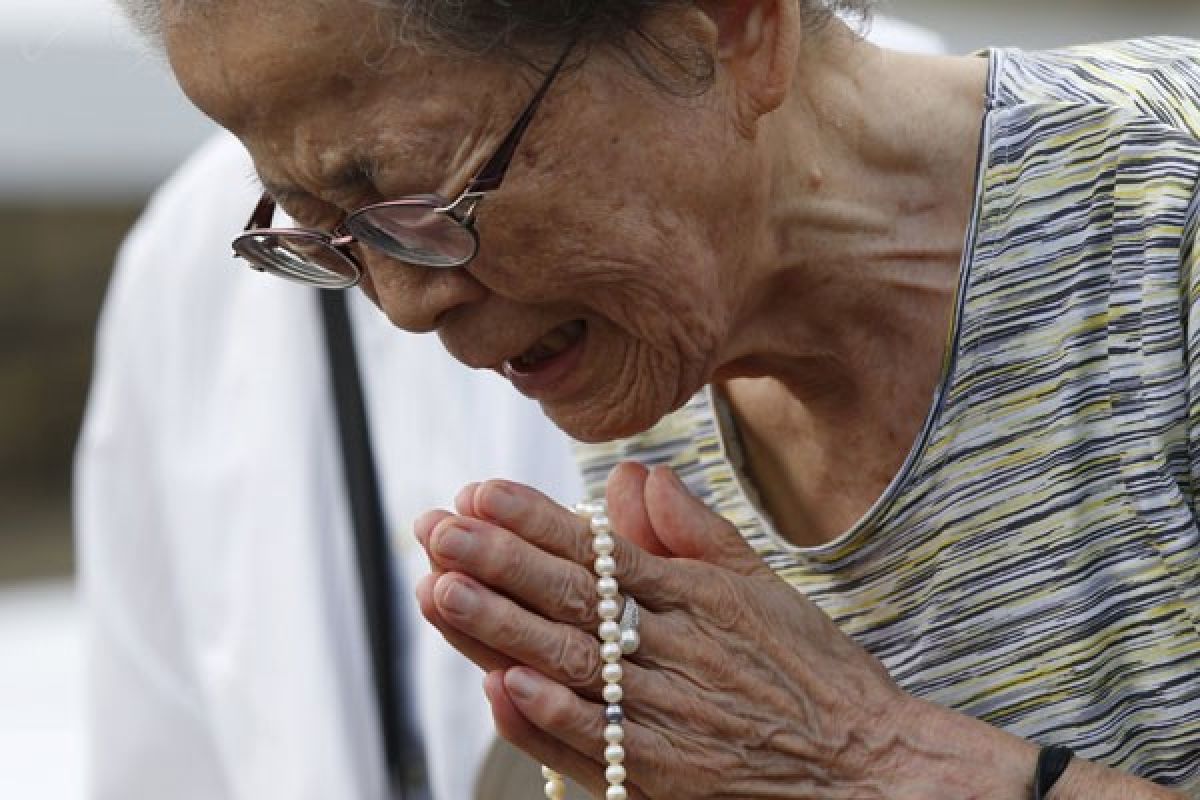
(920, 334)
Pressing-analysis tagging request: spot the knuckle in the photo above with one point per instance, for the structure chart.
(579, 660)
(636, 566)
(505, 560)
(724, 606)
(506, 627)
(573, 599)
(580, 538)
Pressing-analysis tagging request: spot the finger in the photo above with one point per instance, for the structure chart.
(688, 529)
(625, 495)
(550, 527)
(424, 525)
(554, 587)
(464, 501)
(538, 519)
(483, 656)
(558, 714)
(564, 652)
(542, 748)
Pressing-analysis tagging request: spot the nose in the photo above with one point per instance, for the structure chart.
(415, 298)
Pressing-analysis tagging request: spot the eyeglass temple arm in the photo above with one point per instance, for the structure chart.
(263, 214)
(493, 171)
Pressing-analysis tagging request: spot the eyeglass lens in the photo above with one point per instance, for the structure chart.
(414, 233)
(298, 256)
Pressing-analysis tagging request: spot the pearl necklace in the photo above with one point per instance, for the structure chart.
(614, 642)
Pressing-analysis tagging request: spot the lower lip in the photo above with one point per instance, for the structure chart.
(548, 375)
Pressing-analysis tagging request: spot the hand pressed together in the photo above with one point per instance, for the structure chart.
(741, 685)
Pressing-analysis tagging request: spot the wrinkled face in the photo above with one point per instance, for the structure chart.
(608, 272)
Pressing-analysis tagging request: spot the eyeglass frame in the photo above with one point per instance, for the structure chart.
(462, 210)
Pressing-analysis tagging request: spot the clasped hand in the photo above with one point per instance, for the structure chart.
(741, 687)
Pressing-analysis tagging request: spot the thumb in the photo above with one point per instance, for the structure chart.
(625, 496)
(688, 529)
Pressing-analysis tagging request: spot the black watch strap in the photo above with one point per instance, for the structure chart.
(1051, 764)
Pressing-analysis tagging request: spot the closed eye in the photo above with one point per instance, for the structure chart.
(312, 214)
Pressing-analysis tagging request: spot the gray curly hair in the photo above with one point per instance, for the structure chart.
(508, 28)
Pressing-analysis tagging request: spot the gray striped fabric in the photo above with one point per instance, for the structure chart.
(1035, 562)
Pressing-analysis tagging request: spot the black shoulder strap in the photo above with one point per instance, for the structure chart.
(402, 749)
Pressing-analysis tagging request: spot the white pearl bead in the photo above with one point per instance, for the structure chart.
(615, 643)
(616, 792)
(610, 652)
(609, 631)
(608, 608)
(555, 790)
(603, 545)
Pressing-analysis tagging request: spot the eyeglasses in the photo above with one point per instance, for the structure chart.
(425, 230)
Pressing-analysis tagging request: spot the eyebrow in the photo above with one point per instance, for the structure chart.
(358, 175)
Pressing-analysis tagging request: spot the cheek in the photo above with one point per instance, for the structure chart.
(561, 223)
(538, 252)
(652, 274)
(367, 285)
(540, 255)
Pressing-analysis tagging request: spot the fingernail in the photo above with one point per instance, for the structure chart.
(460, 600)
(521, 684)
(452, 542)
(501, 501)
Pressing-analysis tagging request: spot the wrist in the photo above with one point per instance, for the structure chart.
(939, 754)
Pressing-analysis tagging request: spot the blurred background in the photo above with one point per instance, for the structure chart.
(88, 126)
(90, 123)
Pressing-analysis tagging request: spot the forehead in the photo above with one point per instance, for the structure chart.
(322, 81)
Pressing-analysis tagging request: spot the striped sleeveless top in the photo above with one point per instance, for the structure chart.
(1036, 562)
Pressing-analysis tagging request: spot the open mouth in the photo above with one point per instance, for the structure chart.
(549, 348)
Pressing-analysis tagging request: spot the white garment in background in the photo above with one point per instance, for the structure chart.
(226, 653)
(226, 658)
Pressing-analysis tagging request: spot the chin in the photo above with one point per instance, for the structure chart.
(591, 424)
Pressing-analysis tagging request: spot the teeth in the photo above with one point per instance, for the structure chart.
(550, 345)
